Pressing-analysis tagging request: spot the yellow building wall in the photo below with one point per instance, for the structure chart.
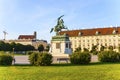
(89, 41)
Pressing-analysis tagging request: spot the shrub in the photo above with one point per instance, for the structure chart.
(33, 58)
(78, 49)
(29, 52)
(6, 59)
(80, 58)
(109, 56)
(42, 59)
(45, 59)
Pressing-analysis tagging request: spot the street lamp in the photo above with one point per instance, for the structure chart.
(13, 55)
(13, 52)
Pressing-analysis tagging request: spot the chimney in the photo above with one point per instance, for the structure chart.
(35, 35)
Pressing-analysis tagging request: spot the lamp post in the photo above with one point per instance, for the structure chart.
(13, 52)
(13, 56)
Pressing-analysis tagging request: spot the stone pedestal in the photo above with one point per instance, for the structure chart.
(60, 46)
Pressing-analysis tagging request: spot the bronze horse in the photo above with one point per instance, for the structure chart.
(59, 26)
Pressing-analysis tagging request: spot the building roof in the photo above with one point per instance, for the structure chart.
(26, 37)
(91, 32)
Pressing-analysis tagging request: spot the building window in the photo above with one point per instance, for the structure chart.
(110, 40)
(75, 46)
(88, 40)
(70, 45)
(105, 44)
(83, 40)
(83, 45)
(119, 45)
(57, 45)
(105, 40)
(67, 45)
(114, 40)
(88, 45)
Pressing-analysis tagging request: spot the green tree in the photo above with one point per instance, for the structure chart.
(5, 46)
(47, 48)
(110, 47)
(19, 47)
(8, 47)
(13, 45)
(2, 46)
(29, 48)
(94, 50)
(102, 48)
(41, 48)
(86, 50)
(78, 49)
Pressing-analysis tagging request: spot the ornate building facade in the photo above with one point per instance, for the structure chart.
(87, 38)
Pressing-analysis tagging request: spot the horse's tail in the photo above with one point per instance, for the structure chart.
(51, 30)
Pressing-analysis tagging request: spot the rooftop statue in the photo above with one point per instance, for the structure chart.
(59, 26)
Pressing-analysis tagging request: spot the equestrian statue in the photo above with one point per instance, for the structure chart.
(59, 26)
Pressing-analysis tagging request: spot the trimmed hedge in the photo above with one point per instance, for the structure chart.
(80, 58)
(109, 56)
(6, 59)
(42, 59)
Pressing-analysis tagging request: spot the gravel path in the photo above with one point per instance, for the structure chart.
(21, 60)
(24, 59)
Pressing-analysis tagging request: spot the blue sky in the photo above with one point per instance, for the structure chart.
(26, 16)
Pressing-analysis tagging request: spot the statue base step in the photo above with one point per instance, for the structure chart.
(60, 55)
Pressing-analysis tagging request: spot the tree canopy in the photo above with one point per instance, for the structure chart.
(40, 48)
(17, 47)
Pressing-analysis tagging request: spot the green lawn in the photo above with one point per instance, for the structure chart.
(93, 71)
